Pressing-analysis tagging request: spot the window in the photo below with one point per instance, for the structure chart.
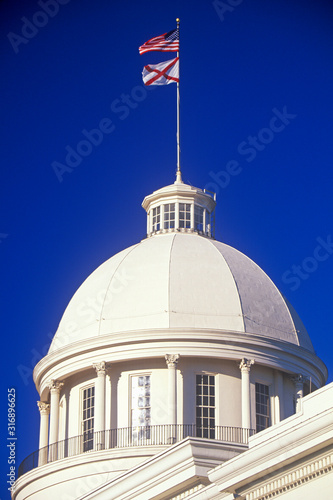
(169, 216)
(209, 223)
(141, 407)
(262, 407)
(184, 215)
(198, 218)
(88, 418)
(156, 219)
(205, 406)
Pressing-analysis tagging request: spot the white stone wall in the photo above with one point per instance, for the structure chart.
(118, 393)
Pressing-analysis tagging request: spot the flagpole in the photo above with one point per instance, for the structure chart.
(178, 175)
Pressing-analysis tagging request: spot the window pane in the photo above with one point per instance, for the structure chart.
(156, 219)
(205, 406)
(88, 418)
(184, 215)
(140, 410)
(198, 218)
(169, 215)
(262, 407)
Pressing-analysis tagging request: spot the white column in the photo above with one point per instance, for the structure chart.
(298, 381)
(54, 387)
(245, 366)
(204, 221)
(44, 410)
(99, 419)
(148, 223)
(279, 397)
(192, 216)
(172, 360)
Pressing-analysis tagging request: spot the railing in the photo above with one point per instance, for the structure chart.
(128, 437)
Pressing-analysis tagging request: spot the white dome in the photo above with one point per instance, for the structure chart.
(179, 281)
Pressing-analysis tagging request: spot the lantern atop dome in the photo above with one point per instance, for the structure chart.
(180, 208)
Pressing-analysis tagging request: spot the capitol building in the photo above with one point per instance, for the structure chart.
(180, 371)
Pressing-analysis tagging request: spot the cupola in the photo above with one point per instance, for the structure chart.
(180, 208)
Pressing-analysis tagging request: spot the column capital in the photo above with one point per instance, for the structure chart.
(298, 379)
(171, 360)
(44, 408)
(100, 368)
(245, 365)
(55, 385)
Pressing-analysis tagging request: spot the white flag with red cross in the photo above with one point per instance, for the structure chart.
(162, 73)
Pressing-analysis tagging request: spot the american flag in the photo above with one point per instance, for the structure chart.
(168, 42)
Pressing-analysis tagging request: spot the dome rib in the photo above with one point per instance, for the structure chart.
(110, 281)
(169, 286)
(236, 285)
(203, 293)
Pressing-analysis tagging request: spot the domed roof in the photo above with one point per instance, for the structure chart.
(179, 280)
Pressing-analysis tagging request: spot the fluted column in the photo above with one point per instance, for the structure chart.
(298, 381)
(245, 366)
(172, 360)
(99, 418)
(44, 410)
(54, 387)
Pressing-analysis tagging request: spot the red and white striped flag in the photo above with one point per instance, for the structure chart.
(161, 74)
(168, 42)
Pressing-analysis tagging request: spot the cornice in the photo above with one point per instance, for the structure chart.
(118, 347)
(293, 478)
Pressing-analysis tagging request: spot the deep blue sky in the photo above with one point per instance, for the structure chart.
(235, 69)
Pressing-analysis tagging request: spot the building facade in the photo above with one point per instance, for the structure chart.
(168, 362)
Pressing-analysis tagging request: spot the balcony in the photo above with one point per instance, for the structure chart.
(152, 435)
